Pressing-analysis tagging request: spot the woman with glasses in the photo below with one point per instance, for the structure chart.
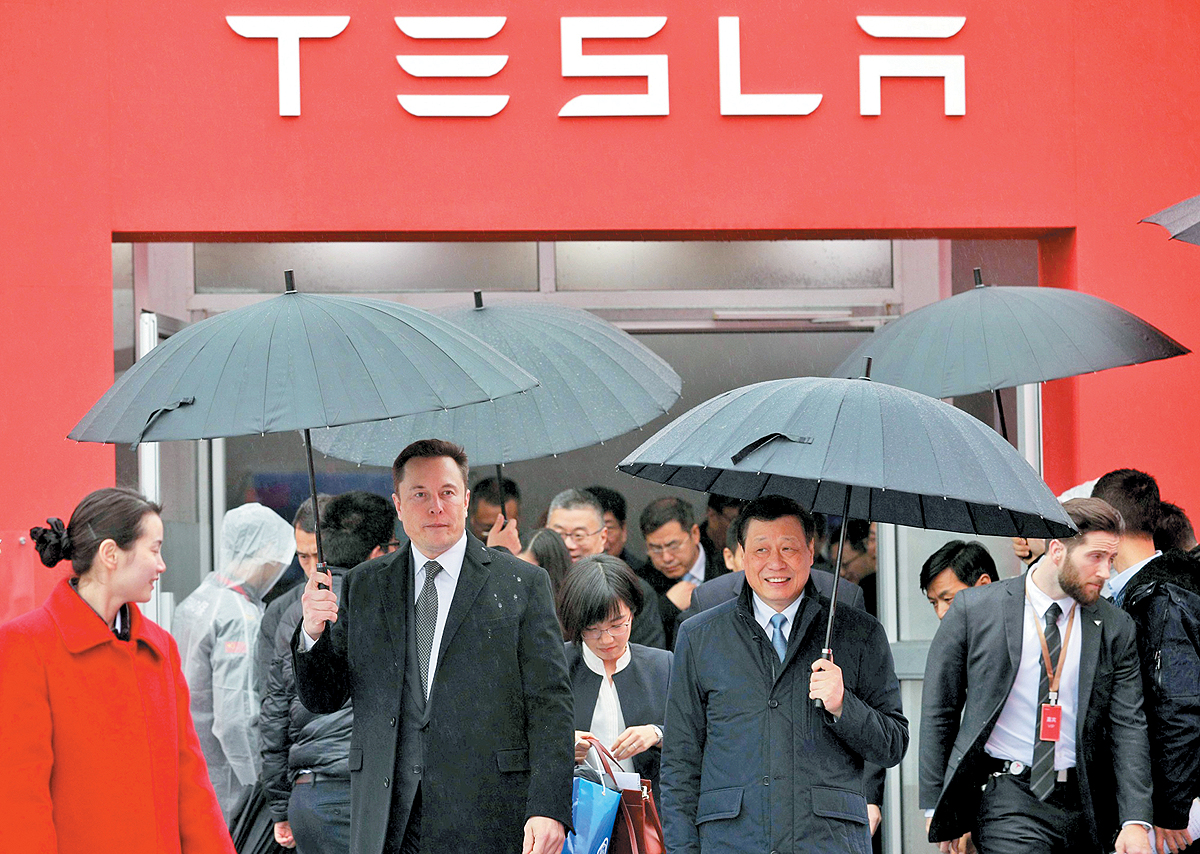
(620, 687)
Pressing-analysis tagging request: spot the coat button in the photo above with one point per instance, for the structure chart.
(393, 721)
(417, 769)
(766, 781)
(774, 704)
(387, 781)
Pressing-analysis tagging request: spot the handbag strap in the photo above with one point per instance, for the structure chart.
(605, 755)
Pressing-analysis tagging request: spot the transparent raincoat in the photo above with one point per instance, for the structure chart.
(216, 628)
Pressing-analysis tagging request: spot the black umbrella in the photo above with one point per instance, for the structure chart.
(596, 382)
(1181, 220)
(294, 362)
(991, 338)
(855, 447)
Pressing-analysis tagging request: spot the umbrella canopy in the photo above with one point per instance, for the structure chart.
(854, 447)
(1182, 220)
(298, 361)
(991, 338)
(596, 382)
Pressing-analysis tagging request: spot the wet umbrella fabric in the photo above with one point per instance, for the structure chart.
(1181, 220)
(991, 338)
(596, 382)
(895, 455)
(298, 361)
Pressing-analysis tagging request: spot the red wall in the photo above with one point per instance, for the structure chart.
(155, 120)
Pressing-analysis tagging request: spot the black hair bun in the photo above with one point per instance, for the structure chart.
(52, 544)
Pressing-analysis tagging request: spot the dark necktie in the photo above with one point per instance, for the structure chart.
(427, 609)
(1041, 778)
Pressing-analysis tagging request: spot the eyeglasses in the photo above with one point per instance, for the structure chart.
(391, 546)
(619, 630)
(577, 536)
(672, 547)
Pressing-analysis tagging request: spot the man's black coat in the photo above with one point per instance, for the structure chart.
(970, 671)
(500, 729)
(748, 764)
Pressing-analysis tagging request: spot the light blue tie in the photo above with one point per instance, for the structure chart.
(777, 639)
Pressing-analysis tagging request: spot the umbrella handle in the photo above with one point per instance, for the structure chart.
(826, 655)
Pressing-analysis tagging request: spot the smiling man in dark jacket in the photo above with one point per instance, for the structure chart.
(749, 765)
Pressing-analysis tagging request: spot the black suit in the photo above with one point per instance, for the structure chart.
(498, 724)
(971, 669)
(641, 688)
(714, 567)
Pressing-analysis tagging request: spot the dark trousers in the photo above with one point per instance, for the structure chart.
(1013, 821)
(319, 814)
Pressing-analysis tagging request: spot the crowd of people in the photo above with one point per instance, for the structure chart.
(427, 689)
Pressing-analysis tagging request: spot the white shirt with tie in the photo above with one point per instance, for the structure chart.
(1012, 737)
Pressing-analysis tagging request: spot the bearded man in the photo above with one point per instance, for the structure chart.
(1032, 731)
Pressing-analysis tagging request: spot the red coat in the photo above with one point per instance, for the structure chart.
(99, 751)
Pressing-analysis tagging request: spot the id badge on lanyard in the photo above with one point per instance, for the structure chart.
(1050, 719)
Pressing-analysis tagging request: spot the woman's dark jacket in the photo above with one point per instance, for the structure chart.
(641, 688)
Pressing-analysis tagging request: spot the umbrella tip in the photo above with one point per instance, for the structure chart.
(289, 281)
(479, 299)
(867, 369)
(978, 277)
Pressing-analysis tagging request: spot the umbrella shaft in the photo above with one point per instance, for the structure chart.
(312, 489)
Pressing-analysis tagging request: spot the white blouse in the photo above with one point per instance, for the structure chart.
(607, 720)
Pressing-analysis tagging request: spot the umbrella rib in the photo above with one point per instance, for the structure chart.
(358, 354)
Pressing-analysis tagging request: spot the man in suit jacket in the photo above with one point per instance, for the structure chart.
(986, 681)
(453, 656)
(677, 563)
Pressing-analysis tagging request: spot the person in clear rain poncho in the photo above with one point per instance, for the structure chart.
(216, 628)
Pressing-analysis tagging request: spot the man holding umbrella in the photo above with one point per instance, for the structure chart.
(749, 764)
(453, 656)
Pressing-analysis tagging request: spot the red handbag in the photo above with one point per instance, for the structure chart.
(638, 829)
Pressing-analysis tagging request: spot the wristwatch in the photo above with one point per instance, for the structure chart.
(657, 731)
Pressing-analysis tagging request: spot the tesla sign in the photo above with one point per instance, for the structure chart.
(288, 30)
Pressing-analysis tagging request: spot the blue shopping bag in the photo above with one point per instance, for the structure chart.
(593, 812)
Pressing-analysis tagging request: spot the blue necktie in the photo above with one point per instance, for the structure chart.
(777, 639)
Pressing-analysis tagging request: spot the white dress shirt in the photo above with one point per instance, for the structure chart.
(445, 583)
(1013, 735)
(764, 612)
(608, 722)
(696, 573)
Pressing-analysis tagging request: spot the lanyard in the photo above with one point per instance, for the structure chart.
(1055, 674)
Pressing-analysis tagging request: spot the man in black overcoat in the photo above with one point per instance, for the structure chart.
(463, 718)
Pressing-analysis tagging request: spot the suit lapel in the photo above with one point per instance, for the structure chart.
(1014, 627)
(470, 582)
(396, 597)
(1089, 655)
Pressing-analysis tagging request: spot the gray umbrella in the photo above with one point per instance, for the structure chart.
(1182, 220)
(991, 338)
(596, 382)
(856, 448)
(294, 362)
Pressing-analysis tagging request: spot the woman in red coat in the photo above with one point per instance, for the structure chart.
(100, 754)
